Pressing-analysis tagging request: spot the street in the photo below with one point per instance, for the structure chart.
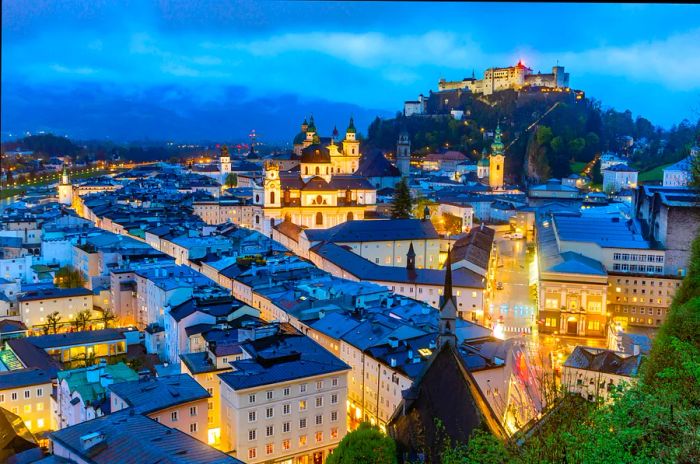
(512, 306)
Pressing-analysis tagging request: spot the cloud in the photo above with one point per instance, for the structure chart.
(81, 71)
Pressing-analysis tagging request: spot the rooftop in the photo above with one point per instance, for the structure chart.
(281, 357)
(605, 361)
(154, 394)
(23, 378)
(375, 231)
(130, 438)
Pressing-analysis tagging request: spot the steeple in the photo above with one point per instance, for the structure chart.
(426, 213)
(312, 126)
(304, 125)
(448, 308)
(335, 134)
(497, 147)
(411, 258)
(64, 176)
(351, 127)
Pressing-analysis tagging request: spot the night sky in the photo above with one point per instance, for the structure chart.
(209, 70)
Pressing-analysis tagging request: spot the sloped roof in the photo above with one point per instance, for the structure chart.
(576, 263)
(605, 361)
(375, 230)
(154, 394)
(133, 438)
(375, 164)
(316, 153)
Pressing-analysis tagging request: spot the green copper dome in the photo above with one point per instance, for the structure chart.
(483, 162)
(497, 147)
(351, 127)
(312, 125)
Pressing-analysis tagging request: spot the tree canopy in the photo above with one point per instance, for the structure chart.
(69, 277)
(402, 204)
(366, 445)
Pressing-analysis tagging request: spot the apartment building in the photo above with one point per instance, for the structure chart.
(27, 393)
(286, 403)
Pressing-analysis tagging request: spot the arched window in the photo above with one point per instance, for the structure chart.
(318, 170)
(498, 167)
(326, 170)
(319, 200)
(306, 169)
(319, 219)
(351, 216)
(257, 219)
(272, 197)
(257, 198)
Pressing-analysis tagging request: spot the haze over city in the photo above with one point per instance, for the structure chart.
(185, 70)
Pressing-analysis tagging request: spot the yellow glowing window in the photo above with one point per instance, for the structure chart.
(425, 352)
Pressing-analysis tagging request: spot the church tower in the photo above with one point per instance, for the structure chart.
(351, 149)
(497, 161)
(482, 166)
(403, 154)
(65, 189)
(310, 131)
(224, 164)
(448, 309)
(272, 186)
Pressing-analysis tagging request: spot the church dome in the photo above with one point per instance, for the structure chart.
(315, 153)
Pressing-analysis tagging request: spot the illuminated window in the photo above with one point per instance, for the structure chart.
(252, 453)
(302, 440)
(269, 448)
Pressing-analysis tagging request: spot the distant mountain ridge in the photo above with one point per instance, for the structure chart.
(96, 111)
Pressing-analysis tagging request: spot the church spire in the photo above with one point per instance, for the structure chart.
(411, 258)
(447, 291)
(448, 308)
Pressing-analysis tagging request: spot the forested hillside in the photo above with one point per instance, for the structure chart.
(573, 130)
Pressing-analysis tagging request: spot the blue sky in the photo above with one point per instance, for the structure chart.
(155, 68)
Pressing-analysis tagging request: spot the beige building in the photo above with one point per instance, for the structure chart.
(640, 300)
(280, 406)
(176, 401)
(27, 393)
(36, 305)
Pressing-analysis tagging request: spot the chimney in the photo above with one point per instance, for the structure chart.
(393, 342)
(392, 362)
(91, 440)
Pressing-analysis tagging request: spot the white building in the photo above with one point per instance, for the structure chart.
(619, 177)
(286, 403)
(680, 173)
(596, 373)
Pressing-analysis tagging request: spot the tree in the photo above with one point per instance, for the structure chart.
(231, 180)
(106, 317)
(402, 204)
(367, 444)
(69, 277)
(451, 224)
(82, 319)
(52, 321)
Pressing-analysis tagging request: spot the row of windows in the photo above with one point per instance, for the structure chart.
(286, 408)
(638, 268)
(287, 426)
(287, 443)
(651, 282)
(27, 395)
(286, 390)
(640, 258)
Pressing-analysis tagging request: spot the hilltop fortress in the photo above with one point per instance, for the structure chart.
(513, 77)
(519, 78)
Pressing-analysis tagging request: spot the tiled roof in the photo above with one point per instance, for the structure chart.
(375, 164)
(153, 394)
(76, 338)
(366, 270)
(601, 360)
(280, 358)
(375, 230)
(54, 293)
(135, 439)
(23, 378)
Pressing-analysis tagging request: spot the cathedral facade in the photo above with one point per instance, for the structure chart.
(322, 191)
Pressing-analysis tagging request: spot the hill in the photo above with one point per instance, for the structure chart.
(544, 132)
